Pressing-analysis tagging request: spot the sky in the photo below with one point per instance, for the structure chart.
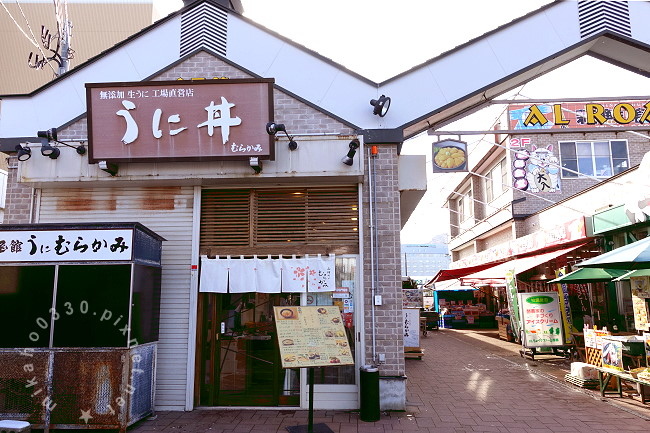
(381, 38)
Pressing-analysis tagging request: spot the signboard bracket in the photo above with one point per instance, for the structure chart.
(310, 427)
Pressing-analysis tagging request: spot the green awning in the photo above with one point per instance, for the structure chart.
(637, 273)
(590, 275)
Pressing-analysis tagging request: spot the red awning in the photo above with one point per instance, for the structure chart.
(451, 285)
(451, 274)
(495, 275)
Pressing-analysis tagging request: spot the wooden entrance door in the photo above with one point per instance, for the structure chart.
(238, 361)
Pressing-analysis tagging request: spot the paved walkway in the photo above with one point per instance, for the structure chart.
(466, 382)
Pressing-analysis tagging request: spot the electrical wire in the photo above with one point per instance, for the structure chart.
(33, 39)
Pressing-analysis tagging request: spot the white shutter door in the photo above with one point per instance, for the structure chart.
(168, 212)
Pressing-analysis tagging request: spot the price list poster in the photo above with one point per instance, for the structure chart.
(312, 337)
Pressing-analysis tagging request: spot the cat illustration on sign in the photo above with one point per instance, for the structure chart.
(542, 170)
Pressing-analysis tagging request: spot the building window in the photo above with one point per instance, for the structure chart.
(465, 207)
(279, 221)
(495, 182)
(602, 158)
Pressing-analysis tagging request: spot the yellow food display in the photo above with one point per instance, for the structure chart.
(449, 157)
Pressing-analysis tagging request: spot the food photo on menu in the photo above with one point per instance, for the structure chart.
(288, 313)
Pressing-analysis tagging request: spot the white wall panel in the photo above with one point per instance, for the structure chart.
(174, 223)
(639, 18)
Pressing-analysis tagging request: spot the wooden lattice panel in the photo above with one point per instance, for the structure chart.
(594, 356)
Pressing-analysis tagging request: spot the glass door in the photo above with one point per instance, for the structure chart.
(238, 351)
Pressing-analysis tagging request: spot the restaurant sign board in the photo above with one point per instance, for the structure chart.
(191, 120)
(66, 245)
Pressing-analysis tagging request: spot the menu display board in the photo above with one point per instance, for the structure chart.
(312, 337)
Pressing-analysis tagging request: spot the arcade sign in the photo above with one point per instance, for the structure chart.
(579, 115)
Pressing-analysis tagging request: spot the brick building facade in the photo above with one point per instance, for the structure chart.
(513, 213)
(68, 190)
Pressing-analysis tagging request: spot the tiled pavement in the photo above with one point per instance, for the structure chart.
(466, 382)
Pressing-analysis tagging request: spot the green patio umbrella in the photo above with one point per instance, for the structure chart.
(590, 275)
(632, 256)
(637, 273)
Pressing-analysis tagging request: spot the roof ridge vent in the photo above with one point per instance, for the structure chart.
(204, 26)
(596, 16)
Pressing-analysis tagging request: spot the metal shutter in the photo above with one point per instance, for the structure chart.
(167, 211)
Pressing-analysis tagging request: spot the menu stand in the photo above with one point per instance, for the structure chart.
(310, 427)
(307, 338)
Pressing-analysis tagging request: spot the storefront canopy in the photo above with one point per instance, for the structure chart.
(633, 256)
(496, 274)
(453, 274)
(451, 285)
(637, 273)
(590, 275)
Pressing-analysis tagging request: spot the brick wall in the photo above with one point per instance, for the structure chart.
(463, 253)
(388, 326)
(298, 117)
(496, 239)
(18, 204)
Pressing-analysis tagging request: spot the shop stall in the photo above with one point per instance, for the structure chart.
(468, 308)
(82, 303)
(620, 358)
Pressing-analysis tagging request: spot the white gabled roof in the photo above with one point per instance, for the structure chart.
(429, 95)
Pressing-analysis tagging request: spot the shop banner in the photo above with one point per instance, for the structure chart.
(320, 274)
(65, 245)
(513, 302)
(312, 337)
(640, 292)
(269, 275)
(565, 306)
(411, 327)
(541, 319)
